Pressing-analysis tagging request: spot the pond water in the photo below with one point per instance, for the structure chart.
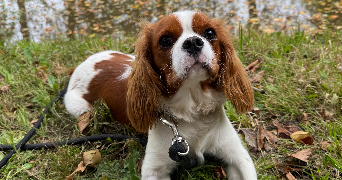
(48, 19)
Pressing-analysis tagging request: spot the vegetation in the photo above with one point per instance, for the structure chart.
(302, 81)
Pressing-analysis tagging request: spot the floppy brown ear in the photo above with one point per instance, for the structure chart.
(232, 76)
(144, 86)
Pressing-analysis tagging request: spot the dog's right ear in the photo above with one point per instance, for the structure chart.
(144, 85)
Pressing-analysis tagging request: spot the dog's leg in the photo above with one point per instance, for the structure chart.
(157, 164)
(75, 103)
(239, 165)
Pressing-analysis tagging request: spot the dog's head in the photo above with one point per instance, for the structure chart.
(183, 49)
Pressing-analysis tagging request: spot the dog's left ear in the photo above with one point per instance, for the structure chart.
(144, 86)
(232, 76)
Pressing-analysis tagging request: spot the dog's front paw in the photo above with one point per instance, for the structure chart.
(155, 177)
(235, 173)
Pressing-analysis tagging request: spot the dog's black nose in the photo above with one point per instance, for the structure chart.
(193, 45)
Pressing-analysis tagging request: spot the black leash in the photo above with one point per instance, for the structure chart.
(23, 146)
(175, 150)
(80, 140)
(32, 131)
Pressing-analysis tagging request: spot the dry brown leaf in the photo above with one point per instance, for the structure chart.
(260, 138)
(292, 126)
(43, 76)
(33, 122)
(325, 145)
(301, 137)
(304, 119)
(5, 88)
(254, 69)
(303, 154)
(83, 122)
(251, 65)
(9, 114)
(289, 176)
(59, 69)
(219, 172)
(250, 137)
(267, 146)
(256, 78)
(271, 137)
(80, 167)
(42, 69)
(71, 71)
(282, 132)
(256, 110)
(91, 158)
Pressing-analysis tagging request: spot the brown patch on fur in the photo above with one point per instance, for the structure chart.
(107, 86)
(144, 85)
(205, 85)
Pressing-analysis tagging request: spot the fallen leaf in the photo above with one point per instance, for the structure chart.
(333, 16)
(5, 88)
(303, 118)
(289, 176)
(251, 65)
(83, 122)
(282, 132)
(33, 122)
(292, 126)
(250, 137)
(325, 145)
(59, 69)
(256, 78)
(301, 137)
(267, 146)
(80, 167)
(254, 69)
(260, 138)
(256, 110)
(71, 71)
(271, 137)
(42, 69)
(303, 154)
(9, 114)
(219, 172)
(91, 158)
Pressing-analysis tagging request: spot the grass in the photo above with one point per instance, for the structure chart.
(303, 74)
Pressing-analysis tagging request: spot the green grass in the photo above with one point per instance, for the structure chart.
(303, 74)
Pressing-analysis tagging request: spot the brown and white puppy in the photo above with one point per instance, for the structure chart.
(184, 63)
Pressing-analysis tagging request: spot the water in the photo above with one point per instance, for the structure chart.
(48, 19)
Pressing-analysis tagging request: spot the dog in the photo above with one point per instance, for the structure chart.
(184, 64)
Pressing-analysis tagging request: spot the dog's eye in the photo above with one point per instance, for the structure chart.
(209, 34)
(165, 41)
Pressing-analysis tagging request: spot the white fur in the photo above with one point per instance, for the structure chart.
(203, 123)
(127, 72)
(80, 80)
(181, 61)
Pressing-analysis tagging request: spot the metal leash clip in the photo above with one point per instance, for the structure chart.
(177, 137)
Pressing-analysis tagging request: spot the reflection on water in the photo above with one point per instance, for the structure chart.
(41, 19)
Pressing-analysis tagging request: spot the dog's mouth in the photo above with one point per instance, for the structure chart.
(197, 65)
(197, 70)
